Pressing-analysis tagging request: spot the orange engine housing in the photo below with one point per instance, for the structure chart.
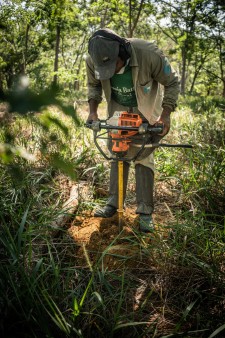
(121, 138)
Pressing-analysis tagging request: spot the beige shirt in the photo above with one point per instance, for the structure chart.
(156, 83)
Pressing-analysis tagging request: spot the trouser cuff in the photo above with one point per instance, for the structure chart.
(113, 201)
(144, 209)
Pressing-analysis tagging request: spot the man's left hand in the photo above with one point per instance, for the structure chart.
(165, 120)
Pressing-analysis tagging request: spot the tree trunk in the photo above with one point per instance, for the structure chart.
(193, 81)
(2, 94)
(9, 77)
(183, 71)
(135, 21)
(130, 18)
(197, 71)
(220, 42)
(26, 49)
(80, 55)
(56, 63)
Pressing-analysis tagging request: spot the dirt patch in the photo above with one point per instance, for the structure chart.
(100, 240)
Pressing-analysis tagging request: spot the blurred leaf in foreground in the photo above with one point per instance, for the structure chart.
(22, 100)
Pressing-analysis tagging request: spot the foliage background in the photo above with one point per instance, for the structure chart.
(46, 41)
(44, 148)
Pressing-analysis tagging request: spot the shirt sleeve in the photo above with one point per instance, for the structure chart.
(94, 85)
(163, 73)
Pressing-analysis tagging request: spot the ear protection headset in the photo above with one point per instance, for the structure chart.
(111, 35)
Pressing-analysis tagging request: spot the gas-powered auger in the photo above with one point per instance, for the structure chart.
(122, 130)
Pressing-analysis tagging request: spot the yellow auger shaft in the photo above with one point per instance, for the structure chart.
(120, 194)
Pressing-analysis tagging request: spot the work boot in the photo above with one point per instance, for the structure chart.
(144, 195)
(146, 223)
(105, 212)
(112, 204)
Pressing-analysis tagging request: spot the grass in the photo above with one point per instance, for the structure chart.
(172, 286)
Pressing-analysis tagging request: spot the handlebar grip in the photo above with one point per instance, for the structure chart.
(94, 125)
(157, 128)
(88, 124)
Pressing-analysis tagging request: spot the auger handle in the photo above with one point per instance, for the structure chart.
(168, 145)
(143, 129)
(98, 125)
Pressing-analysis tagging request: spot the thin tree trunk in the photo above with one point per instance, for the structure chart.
(2, 94)
(183, 71)
(130, 14)
(193, 81)
(132, 27)
(81, 49)
(26, 49)
(56, 63)
(197, 71)
(137, 18)
(221, 58)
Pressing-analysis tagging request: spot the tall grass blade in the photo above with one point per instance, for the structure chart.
(185, 334)
(21, 229)
(56, 315)
(186, 314)
(119, 326)
(120, 300)
(217, 331)
(77, 307)
(86, 291)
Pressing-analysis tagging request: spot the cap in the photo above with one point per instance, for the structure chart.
(104, 53)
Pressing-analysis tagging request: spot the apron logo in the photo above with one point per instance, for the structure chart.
(147, 89)
(105, 59)
(167, 68)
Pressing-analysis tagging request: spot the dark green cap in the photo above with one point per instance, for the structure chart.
(104, 53)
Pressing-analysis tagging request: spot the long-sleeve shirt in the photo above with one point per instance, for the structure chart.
(156, 84)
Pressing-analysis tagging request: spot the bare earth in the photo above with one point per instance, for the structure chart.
(98, 237)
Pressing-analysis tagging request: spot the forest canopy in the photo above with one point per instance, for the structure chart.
(44, 43)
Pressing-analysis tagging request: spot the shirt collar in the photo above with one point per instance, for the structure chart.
(123, 68)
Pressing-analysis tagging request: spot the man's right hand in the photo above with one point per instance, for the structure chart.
(93, 108)
(92, 117)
